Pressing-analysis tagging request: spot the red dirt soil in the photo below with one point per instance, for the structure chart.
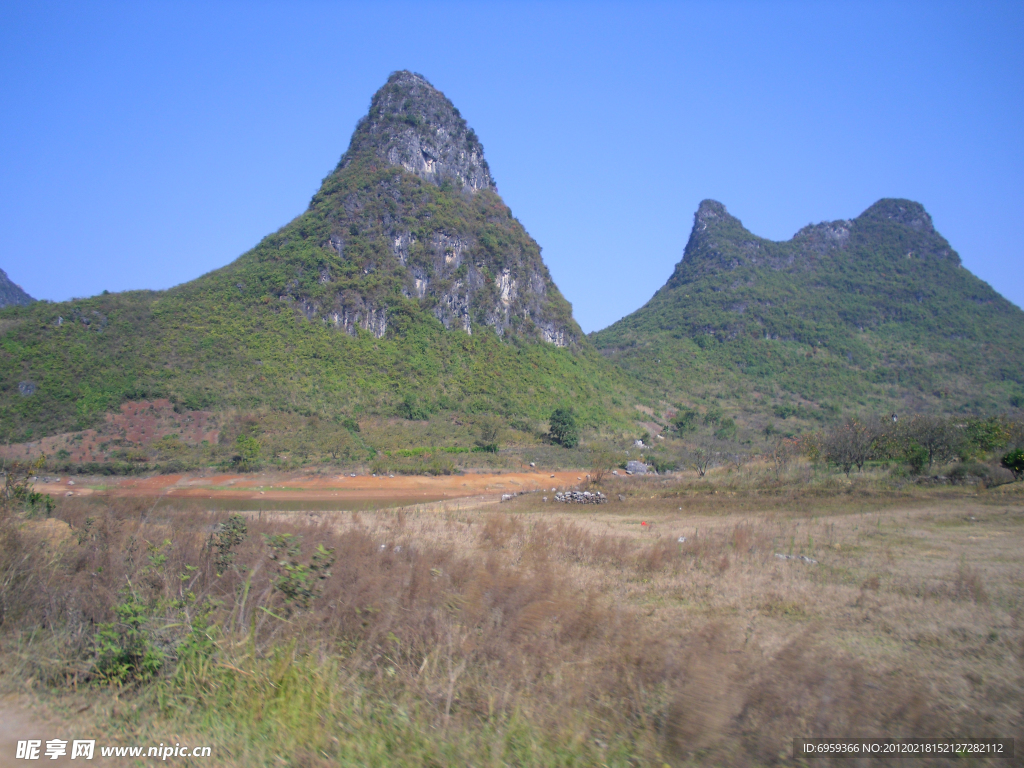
(299, 486)
(138, 424)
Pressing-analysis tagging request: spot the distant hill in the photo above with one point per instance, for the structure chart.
(11, 295)
(406, 286)
(869, 313)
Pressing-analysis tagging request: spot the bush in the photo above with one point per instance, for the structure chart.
(248, 453)
(916, 457)
(965, 473)
(685, 421)
(411, 409)
(564, 429)
(1014, 461)
(662, 465)
(726, 430)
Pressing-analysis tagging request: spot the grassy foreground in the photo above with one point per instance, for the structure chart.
(540, 635)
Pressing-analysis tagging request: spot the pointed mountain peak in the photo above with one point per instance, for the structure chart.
(710, 209)
(11, 294)
(905, 212)
(710, 212)
(413, 125)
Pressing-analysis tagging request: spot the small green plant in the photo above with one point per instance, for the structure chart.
(124, 650)
(229, 535)
(19, 495)
(299, 582)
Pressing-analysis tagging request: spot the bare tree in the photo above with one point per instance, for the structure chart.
(602, 462)
(780, 454)
(703, 455)
(851, 444)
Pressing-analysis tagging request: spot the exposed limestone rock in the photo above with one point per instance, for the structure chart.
(453, 248)
(413, 125)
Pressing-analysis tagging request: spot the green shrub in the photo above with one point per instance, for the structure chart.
(1014, 461)
(299, 582)
(411, 409)
(662, 464)
(963, 473)
(249, 450)
(124, 649)
(228, 536)
(685, 421)
(564, 429)
(726, 430)
(916, 458)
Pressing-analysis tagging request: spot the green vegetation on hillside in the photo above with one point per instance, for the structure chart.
(390, 295)
(871, 313)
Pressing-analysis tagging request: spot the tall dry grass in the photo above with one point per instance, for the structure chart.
(529, 638)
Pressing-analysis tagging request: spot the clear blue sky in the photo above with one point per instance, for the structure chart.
(145, 143)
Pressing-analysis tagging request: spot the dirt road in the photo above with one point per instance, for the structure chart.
(269, 486)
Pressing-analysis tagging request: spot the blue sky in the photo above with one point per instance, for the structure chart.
(146, 143)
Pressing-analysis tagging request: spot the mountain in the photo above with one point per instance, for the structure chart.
(874, 312)
(406, 284)
(11, 294)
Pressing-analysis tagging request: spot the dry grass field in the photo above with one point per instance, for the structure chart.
(534, 633)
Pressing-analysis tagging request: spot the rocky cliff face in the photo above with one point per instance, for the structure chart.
(11, 295)
(720, 243)
(411, 217)
(412, 125)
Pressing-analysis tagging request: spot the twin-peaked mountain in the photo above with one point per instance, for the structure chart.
(407, 279)
(845, 315)
(407, 286)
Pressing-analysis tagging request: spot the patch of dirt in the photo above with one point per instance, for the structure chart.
(306, 487)
(22, 719)
(137, 425)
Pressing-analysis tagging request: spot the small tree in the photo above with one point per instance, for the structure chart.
(248, 452)
(564, 429)
(939, 437)
(849, 445)
(780, 454)
(702, 455)
(602, 463)
(489, 430)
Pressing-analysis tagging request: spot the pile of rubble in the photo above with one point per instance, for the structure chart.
(580, 497)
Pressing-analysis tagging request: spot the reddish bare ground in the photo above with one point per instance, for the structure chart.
(299, 486)
(138, 424)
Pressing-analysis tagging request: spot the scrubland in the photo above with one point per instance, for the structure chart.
(537, 634)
